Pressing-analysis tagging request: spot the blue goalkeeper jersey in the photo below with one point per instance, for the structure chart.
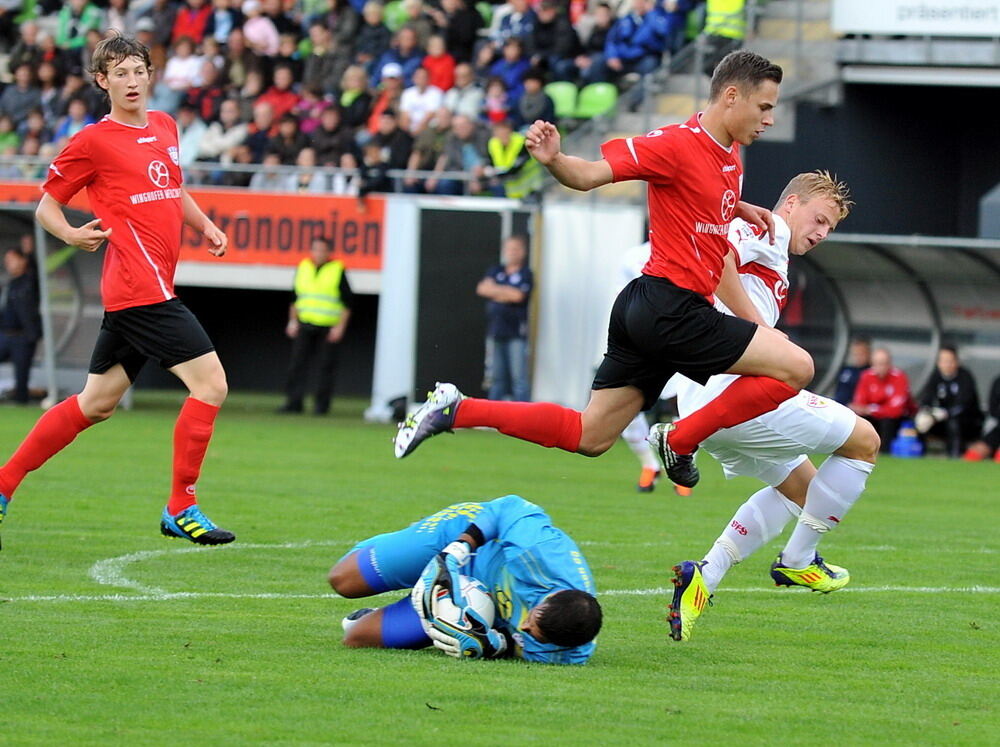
(524, 560)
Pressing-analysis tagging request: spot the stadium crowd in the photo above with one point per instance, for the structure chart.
(436, 85)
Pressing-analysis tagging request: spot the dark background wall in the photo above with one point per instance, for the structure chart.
(917, 159)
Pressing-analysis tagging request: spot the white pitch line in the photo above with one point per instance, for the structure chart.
(174, 596)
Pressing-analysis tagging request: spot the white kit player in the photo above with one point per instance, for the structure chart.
(773, 446)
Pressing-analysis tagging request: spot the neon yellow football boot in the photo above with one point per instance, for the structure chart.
(818, 575)
(689, 600)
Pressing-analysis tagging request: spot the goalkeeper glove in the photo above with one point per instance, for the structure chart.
(470, 638)
(443, 572)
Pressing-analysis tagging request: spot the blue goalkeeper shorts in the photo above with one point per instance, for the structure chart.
(395, 560)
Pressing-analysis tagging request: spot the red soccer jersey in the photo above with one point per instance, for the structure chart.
(133, 181)
(694, 185)
(888, 397)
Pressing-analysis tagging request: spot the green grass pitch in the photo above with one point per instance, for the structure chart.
(110, 633)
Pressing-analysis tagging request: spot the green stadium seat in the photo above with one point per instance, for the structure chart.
(596, 99)
(486, 12)
(563, 95)
(394, 15)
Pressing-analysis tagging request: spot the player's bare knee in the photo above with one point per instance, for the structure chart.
(864, 443)
(346, 581)
(213, 390)
(97, 411)
(800, 369)
(362, 636)
(594, 447)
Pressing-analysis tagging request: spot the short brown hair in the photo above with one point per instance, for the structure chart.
(743, 69)
(819, 184)
(115, 48)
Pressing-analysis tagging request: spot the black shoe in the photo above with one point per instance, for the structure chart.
(289, 410)
(680, 468)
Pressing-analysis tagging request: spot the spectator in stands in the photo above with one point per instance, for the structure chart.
(76, 18)
(325, 64)
(145, 34)
(259, 30)
(271, 177)
(58, 57)
(191, 21)
(75, 120)
(373, 38)
(439, 64)
(949, 404)
(281, 96)
(161, 17)
(289, 141)
(419, 20)
(676, 12)
(20, 323)
(507, 288)
(427, 148)
(343, 20)
(240, 60)
(223, 136)
(10, 141)
(354, 99)
(859, 359)
(989, 445)
(515, 21)
(331, 140)
(512, 172)
(22, 95)
(883, 397)
(637, 41)
(390, 90)
(535, 103)
(223, 21)
(465, 97)
(511, 68)
(395, 143)
(207, 97)
(182, 72)
(724, 30)
(310, 181)
(373, 173)
(464, 150)
(261, 130)
(289, 55)
(248, 94)
(242, 156)
(48, 91)
(404, 52)
(459, 22)
(212, 51)
(496, 104)
(26, 50)
(554, 44)
(118, 18)
(310, 107)
(34, 125)
(418, 102)
(190, 131)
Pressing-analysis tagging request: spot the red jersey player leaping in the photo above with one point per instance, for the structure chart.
(663, 322)
(128, 163)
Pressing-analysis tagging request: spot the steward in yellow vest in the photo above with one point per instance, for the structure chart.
(726, 18)
(317, 322)
(513, 167)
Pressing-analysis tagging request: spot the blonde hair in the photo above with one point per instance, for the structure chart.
(819, 183)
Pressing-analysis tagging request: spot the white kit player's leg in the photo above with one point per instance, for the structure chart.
(836, 486)
(758, 521)
(635, 436)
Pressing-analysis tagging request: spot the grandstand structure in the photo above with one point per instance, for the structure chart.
(880, 98)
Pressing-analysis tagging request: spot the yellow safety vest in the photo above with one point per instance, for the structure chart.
(317, 293)
(527, 179)
(726, 18)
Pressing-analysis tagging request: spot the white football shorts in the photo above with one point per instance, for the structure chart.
(769, 447)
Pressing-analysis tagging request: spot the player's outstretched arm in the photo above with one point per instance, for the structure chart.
(194, 217)
(88, 237)
(543, 142)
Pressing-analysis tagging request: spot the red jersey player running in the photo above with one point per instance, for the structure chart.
(128, 163)
(663, 322)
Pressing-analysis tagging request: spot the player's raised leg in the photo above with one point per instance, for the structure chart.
(59, 426)
(837, 485)
(591, 432)
(206, 381)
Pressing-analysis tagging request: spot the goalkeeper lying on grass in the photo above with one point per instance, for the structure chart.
(537, 576)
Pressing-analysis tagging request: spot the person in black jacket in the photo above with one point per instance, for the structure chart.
(20, 323)
(949, 405)
(554, 44)
(989, 445)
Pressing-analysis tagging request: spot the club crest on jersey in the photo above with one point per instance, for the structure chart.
(814, 400)
(175, 155)
(158, 173)
(728, 205)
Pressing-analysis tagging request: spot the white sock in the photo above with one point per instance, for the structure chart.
(838, 483)
(755, 523)
(635, 436)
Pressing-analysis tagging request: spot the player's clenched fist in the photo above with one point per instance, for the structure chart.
(89, 236)
(543, 141)
(217, 240)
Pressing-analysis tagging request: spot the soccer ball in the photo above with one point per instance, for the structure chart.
(444, 609)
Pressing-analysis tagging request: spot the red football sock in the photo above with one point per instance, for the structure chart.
(191, 436)
(745, 398)
(542, 423)
(53, 432)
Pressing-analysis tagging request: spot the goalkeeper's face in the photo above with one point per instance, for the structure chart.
(530, 624)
